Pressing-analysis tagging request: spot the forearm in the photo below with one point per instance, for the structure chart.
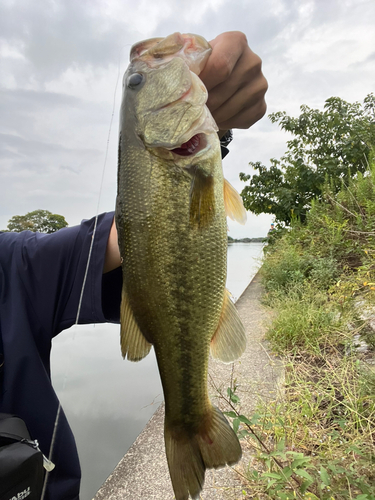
(112, 255)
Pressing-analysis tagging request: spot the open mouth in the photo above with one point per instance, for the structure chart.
(191, 147)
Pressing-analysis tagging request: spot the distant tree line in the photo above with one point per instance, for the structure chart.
(42, 221)
(246, 240)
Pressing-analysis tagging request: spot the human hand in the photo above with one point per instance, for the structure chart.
(235, 82)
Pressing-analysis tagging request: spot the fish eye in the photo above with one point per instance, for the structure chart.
(134, 80)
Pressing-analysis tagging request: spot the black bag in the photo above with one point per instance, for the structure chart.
(21, 461)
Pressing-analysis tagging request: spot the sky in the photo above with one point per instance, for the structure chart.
(61, 65)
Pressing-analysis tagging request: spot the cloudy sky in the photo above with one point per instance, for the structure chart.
(61, 59)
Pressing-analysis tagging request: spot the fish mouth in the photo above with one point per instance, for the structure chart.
(193, 146)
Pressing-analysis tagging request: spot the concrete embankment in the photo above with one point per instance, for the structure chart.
(143, 471)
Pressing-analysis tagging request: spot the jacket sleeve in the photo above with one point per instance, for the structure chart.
(56, 279)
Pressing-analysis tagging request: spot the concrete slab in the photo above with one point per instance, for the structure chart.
(143, 471)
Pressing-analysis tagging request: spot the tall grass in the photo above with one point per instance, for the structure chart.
(319, 278)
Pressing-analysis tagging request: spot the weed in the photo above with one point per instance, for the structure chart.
(302, 322)
(319, 441)
(319, 279)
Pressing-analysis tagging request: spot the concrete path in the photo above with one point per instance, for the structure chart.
(143, 471)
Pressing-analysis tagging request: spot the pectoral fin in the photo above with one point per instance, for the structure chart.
(202, 197)
(134, 346)
(233, 204)
(229, 340)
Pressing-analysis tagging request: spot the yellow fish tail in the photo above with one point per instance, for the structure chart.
(214, 446)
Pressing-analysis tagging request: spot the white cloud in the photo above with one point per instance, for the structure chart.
(60, 66)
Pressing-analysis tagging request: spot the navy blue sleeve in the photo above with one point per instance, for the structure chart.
(52, 269)
(41, 278)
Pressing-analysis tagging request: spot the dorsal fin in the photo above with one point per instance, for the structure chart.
(233, 204)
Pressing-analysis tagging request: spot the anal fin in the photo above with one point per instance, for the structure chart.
(229, 340)
(134, 346)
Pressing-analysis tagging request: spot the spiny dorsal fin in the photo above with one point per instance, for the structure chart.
(233, 204)
(229, 340)
(133, 344)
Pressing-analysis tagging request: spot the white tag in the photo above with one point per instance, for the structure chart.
(47, 464)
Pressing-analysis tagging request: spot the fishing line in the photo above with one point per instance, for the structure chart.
(87, 267)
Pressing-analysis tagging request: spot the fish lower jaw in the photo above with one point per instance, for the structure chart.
(196, 147)
(196, 144)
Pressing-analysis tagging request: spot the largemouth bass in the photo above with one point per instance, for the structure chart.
(171, 220)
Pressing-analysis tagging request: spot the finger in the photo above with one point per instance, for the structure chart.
(235, 114)
(246, 71)
(226, 51)
(246, 118)
(245, 98)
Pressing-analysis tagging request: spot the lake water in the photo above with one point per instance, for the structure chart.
(107, 400)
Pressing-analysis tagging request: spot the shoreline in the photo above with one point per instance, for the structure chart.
(247, 240)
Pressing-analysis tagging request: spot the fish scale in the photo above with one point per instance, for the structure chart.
(171, 222)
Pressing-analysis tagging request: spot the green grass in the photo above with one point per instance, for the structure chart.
(318, 441)
(321, 434)
(319, 278)
(305, 318)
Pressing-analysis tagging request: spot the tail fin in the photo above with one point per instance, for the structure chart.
(188, 458)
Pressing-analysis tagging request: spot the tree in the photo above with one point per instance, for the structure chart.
(38, 220)
(328, 145)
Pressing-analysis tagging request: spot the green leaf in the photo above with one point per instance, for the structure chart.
(287, 472)
(271, 483)
(280, 454)
(295, 454)
(324, 476)
(235, 399)
(305, 474)
(255, 418)
(304, 486)
(281, 444)
(230, 414)
(236, 424)
(282, 496)
(333, 468)
(356, 450)
(232, 396)
(340, 470)
(268, 463)
(299, 462)
(244, 419)
(271, 474)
